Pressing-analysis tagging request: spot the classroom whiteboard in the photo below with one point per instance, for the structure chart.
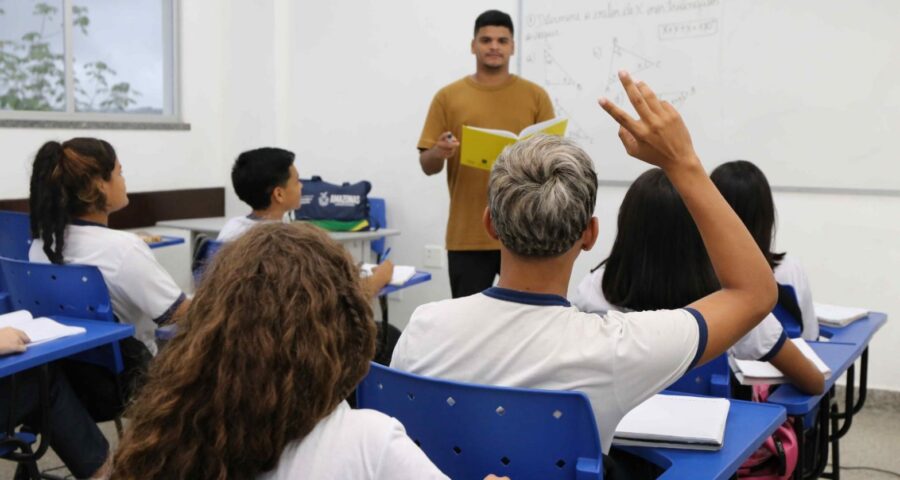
(807, 89)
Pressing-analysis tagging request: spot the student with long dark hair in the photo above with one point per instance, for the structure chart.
(658, 261)
(747, 190)
(253, 385)
(75, 186)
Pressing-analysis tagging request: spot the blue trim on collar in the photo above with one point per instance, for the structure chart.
(703, 336)
(528, 298)
(85, 223)
(775, 348)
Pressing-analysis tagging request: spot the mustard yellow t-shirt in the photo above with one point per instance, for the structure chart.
(511, 106)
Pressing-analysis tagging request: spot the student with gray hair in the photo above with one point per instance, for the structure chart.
(524, 333)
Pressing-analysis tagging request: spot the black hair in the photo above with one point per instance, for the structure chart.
(658, 260)
(493, 18)
(63, 186)
(256, 173)
(747, 190)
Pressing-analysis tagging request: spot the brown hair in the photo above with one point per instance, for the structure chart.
(63, 185)
(278, 334)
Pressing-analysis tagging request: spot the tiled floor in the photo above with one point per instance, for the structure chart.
(873, 442)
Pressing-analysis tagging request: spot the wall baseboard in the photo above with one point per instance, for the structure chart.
(146, 208)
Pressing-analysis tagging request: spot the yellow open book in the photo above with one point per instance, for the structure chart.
(480, 147)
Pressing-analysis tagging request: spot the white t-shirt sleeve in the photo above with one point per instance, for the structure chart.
(143, 283)
(403, 459)
(654, 349)
(762, 343)
(791, 272)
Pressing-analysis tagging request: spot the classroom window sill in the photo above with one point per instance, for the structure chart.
(94, 125)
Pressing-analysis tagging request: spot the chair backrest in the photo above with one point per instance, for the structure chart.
(5, 304)
(204, 252)
(79, 291)
(711, 379)
(15, 235)
(378, 219)
(471, 430)
(787, 311)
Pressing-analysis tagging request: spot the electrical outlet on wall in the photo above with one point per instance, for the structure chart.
(435, 256)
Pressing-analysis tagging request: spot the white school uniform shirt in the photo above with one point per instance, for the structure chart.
(519, 339)
(762, 343)
(235, 227)
(354, 444)
(790, 272)
(142, 292)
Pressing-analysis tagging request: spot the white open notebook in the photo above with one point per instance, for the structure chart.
(39, 330)
(838, 316)
(675, 421)
(749, 372)
(402, 273)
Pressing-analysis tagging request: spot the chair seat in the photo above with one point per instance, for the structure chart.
(24, 437)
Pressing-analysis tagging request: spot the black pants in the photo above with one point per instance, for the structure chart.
(73, 434)
(472, 271)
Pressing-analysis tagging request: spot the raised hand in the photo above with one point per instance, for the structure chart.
(659, 136)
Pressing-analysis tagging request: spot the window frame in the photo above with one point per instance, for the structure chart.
(171, 116)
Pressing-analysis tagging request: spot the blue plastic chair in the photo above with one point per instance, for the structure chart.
(712, 379)
(378, 220)
(471, 430)
(206, 249)
(787, 311)
(15, 235)
(78, 291)
(5, 303)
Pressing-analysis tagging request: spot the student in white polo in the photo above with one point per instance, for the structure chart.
(658, 261)
(524, 332)
(75, 186)
(747, 190)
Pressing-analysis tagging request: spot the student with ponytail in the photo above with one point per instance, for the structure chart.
(75, 186)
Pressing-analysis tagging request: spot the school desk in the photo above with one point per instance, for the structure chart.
(357, 243)
(748, 425)
(96, 334)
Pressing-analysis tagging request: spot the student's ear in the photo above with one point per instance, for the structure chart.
(472, 46)
(278, 196)
(512, 43)
(489, 224)
(590, 234)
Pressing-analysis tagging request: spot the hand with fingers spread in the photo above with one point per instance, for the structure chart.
(12, 340)
(659, 136)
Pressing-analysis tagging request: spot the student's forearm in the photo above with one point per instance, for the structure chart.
(431, 161)
(801, 372)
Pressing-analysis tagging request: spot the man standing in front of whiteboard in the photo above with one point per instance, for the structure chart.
(490, 98)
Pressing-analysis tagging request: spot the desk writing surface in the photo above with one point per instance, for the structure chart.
(858, 333)
(97, 334)
(166, 241)
(213, 225)
(419, 277)
(748, 425)
(837, 356)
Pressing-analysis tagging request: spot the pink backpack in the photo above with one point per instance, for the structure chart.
(776, 458)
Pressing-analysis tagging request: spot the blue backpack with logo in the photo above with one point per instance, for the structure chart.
(326, 201)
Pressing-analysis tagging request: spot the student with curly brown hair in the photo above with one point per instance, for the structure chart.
(253, 385)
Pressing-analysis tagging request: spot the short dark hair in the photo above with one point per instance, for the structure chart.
(747, 190)
(493, 18)
(256, 173)
(658, 260)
